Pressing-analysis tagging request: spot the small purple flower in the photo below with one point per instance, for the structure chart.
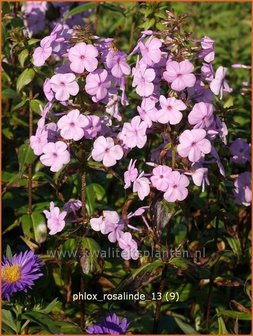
(110, 326)
(42, 53)
(129, 246)
(72, 124)
(105, 150)
(161, 177)
(193, 144)
(240, 151)
(83, 56)
(134, 134)
(150, 50)
(93, 128)
(201, 116)
(218, 84)
(207, 51)
(72, 206)
(148, 111)
(177, 190)
(142, 80)
(97, 84)
(19, 273)
(170, 110)
(142, 186)
(131, 174)
(179, 74)
(207, 72)
(242, 191)
(55, 155)
(116, 61)
(55, 219)
(64, 85)
(38, 141)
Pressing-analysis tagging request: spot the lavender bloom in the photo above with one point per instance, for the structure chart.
(19, 273)
(110, 326)
(240, 151)
(242, 191)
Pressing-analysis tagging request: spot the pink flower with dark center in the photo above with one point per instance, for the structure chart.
(240, 151)
(55, 155)
(64, 86)
(105, 150)
(72, 124)
(55, 219)
(116, 61)
(103, 223)
(177, 190)
(170, 110)
(148, 111)
(134, 134)
(179, 75)
(83, 56)
(97, 84)
(142, 80)
(38, 141)
(193, 144)
(131, 174)
(201, 116)
(150, 50)
(161, 177)
(141, 186)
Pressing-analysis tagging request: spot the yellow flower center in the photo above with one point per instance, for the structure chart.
(11, 274)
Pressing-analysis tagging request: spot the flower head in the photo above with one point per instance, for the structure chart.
(134, 134)
(219, 84)
(142, 80)
(83, 56)
(43, 52)
(242, 191)
(55, 155)
(64, 85)
(105, 150)
(110, 326)
(116, 61)
(201, 116)
(129, 246)
(150, 50)
(240, 151)
(55, 219)
(38, 141)
(97, 84)
(179, 75)
(19, 273)
(193, 144)
(207, 51)
(131, 174)
(177, 190)
(170, 110)
(161, 177)
(148, 111)
(72, 124)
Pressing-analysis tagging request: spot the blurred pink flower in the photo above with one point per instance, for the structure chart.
(55, 219)
(177, 190)
(55, 155)
(105, 150)
(38, 141)
(170, 110)
(72, 124)
(131, 174)
(193, 144)
(161, 177)
(129, 246)
(83, 56)
(64, 85)
(218, 84)
(179, 74)
(141, 186)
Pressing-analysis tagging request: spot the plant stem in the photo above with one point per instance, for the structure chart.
(83, 196)
(30, 170)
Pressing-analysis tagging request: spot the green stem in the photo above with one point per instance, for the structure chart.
(30, 168)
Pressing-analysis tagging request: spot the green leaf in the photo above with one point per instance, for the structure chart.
(19, 105)
(25, 78)
(50, 307)
(94, 191)
(35, 105)
(23, 56)
(185, 327)
(221, 325)
(9, 94)
(8, 252)
(25, 157)
(34, 226)
(8, 322)
(236, 314)
(79, 9)
(43, 320)
(89, 260)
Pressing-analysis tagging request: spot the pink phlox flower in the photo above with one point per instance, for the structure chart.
(116, 61)
(170, 110)
(201, 116)
(200, 176)
(83, 57)
(72, 124)
(105, 150)
(242, 191)
(160, 178)
(129, 246)
(142, 186)
(47, 89)
(240, 151)
(179, 74)
(55, 219)
(38, 141)
(134, 134)
(64, 85)
(55, 155)
(207, 72)
(131, 174)
(43, 52)
(177, 190)
(148, 111)
(150, 50)
(142, 79)
(93, 128)
(207, 51)
(193, 144)
(97, 84)
(219, 84)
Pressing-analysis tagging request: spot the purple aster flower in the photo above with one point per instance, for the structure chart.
(83, 56)
(193, 143)
(55, 219)
(19, 273)
(179, 74)
(218, 84)
(207, 51)
(64, 85)
(110, 326)
(142, 80)
(240, 151)
(97, 84)
(170, 110)
(201, 116)
(242, 191)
